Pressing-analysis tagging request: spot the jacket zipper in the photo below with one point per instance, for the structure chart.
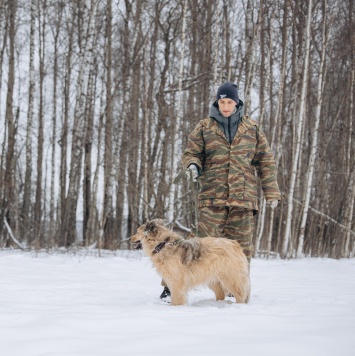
(229, 131)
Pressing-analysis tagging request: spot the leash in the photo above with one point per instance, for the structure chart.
(194, 186)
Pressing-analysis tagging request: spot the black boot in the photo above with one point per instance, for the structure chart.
(165, 296)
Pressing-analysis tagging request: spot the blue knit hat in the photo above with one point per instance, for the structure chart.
(228, 90)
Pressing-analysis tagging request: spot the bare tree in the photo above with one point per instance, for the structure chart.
(25, 228)
(301, 117)
(176, 143)
(68, 228)
(312, 158)
(42, 13)
(9, 209)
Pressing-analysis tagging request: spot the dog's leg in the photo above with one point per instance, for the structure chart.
(178, 291)
(238, 286)
(218, 290)
(178, 296)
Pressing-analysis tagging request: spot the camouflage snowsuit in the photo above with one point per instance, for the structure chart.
(228, 198)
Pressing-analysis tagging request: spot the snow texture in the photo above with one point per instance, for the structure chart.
(56, 305)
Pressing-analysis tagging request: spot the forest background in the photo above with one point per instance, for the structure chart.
(98, 98)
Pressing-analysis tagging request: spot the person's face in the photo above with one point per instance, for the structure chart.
(226, 106)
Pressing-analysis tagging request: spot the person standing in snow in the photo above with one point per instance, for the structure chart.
(223, 152)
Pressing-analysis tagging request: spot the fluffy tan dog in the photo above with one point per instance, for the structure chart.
(183, 264)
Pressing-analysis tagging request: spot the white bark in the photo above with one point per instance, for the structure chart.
(176, 144)
(348, 251)
(351, 190)
(216, 49)
(269, 238)
(280, 93)
(145, 138)
(86, 60)
(314, 147)
(261, 224)
(251, 32)
(90, 229)
(17, 242)
(249, 56)
(287, 236)
(29, 136)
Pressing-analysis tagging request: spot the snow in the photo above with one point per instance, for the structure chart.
(61, 304)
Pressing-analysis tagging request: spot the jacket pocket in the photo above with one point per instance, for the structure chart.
(250, 185)
(208, 185)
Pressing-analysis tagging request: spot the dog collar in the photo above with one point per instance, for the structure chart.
(161, 245)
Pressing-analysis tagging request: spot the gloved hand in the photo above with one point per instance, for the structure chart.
(194, 170)
(273, 204)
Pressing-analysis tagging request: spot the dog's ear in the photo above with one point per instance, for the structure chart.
(159, 222)
(151, 227)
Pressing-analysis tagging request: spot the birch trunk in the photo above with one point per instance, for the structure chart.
(216, 45)
(3, 36)
(25, 230)
(251, 33)
(314, 146)
(40, 134)
(176, 141)
(89, 110)
(9, 179)
(129, 40)
(69, 225)
(92, 214)
(65, 126)
(271, 228)
(286, 240)
(280, 101)
(348, 250)
(249, 56)
(261, 224)
(59, 13)
(145, 139)
(263, 74)
(107, 205)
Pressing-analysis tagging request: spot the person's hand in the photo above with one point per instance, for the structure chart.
(193, 169)
(273, 204)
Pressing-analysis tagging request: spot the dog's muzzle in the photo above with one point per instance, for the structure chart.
(138, 244)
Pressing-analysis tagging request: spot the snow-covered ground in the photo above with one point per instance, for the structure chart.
(84, 305)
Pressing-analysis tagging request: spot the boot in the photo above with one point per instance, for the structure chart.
(165, 296)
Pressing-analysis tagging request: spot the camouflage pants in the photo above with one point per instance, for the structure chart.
(231, 222)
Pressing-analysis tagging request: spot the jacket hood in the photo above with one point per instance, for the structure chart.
(229, 125)
(234, 118)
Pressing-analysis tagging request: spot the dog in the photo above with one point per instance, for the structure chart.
(218, 263)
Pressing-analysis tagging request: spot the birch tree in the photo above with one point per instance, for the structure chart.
(42, 14)
(31, 91)
(58, 15)
(65, 124)
(314, 146)
(301, 117)
(68, 228)
(348, 250)
(107, 204)
(176, 141)
(9, 208)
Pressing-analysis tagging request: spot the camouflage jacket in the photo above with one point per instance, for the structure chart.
(228, 170)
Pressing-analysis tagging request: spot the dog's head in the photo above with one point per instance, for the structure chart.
(149, 235)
